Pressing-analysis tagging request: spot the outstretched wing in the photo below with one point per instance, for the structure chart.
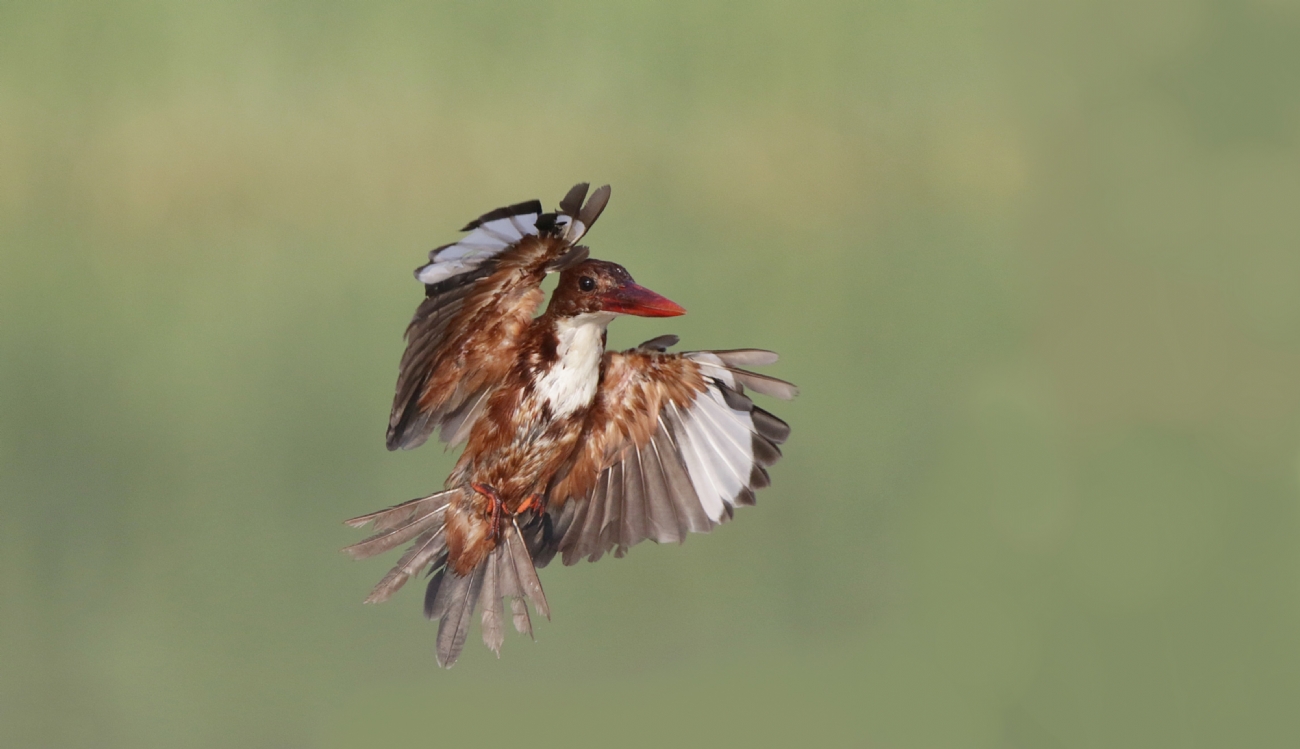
(480, 295)
(672, 445)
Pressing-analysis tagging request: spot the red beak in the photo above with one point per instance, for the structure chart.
(634, 299)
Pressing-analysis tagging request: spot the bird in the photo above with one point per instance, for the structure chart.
(570, 449)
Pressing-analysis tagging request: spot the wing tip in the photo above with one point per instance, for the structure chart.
(659, 344)
(571, 205)
(516, 209)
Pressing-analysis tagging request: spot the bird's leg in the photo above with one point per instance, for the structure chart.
(495, 508)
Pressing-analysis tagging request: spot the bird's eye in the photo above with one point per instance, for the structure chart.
(587, 283)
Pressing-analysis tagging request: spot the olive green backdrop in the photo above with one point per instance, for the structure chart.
(1035, 266)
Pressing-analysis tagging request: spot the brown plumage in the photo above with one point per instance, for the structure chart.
(569, 449)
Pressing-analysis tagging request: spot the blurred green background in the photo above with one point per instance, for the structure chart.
(1034, 265)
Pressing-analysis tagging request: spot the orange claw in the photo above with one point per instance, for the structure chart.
(486, 490)
(496, 505)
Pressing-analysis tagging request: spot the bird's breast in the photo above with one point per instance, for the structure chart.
(569, 382)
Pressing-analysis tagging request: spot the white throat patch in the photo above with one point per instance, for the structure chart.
(571, 382)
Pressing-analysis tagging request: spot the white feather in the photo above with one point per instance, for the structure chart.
(728, 428)
(484, 242)
(714, 455)
(571, 382)
(435, 272)
(716, 442)
(511, 228)
(523, 224)
(729, 433)
(716, 367)
(695, 451)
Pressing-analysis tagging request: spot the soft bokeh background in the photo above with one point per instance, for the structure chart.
(1035, 265)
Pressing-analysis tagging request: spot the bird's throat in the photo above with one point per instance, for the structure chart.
(570, 382)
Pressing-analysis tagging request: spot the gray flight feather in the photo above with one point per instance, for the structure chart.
(660, 343)
(765, 453)
(458, 423)
(451, 587)
(462, 595)
(431, 591)
(493, 635)
(614, 506)
(519, 613)
(679, 482)
(634, 497)
(511, 589)
(572, 203)
(587, 527)
(769, 426)
(595, 205)
(517, 551)
(769, 386)
(395, 536)
(746, 357)
(664, 524)
(426, 548)
(392, 516)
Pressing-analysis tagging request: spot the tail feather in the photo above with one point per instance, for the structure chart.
(399, 524)
(461, 595)
(391, 516)
(425, 549)
(510, 588)
(507, 573)
(524, 569)
(431, 591)
(493, 634)
(519, 612)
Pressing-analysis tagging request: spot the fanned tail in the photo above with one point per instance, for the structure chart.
(507, 574)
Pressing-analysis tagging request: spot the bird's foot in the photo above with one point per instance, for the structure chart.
(533, 502)
(497, 512)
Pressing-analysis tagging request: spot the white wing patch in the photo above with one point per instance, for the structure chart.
(486, 241)
(573, 228)
(716, 443)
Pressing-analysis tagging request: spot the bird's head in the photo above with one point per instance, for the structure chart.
(595, 286)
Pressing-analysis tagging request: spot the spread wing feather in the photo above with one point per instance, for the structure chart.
(480, 294)
(672, 445)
